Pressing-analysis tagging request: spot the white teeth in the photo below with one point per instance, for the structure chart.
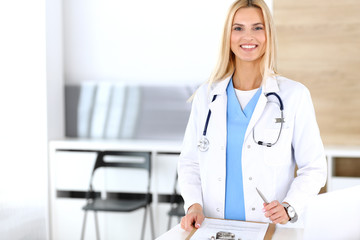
(248, 46)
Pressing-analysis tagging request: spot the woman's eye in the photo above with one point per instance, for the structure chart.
(237, 28)
(258, 28)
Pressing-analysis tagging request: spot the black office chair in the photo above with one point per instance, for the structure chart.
(120, 202)
(177, 205)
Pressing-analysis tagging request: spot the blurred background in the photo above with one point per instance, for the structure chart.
(107, 71)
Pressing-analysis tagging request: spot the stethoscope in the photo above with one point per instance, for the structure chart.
(204, 143)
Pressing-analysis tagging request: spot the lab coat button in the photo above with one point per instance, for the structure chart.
(219, 179)
(218, 209)
(253, 209)
(248, 146)
(250, 178)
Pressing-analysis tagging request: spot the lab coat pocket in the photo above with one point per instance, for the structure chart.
(279, 153)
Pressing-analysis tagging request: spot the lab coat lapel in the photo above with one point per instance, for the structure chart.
(271, 85)
(218, 113)
(260, 106)
(218, 109)
(219, 106)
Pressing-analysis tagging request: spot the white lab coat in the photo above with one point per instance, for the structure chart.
(202, 175)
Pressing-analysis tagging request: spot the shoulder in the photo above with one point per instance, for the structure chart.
(285, 82)
(203, 90)
(207, 90)
(294, 93)
(200, 94)
(291, 87)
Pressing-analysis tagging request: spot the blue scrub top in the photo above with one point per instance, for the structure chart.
(237, 123)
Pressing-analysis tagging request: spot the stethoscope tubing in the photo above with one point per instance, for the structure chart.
(208, 118)
(204, 142)
(278, 97)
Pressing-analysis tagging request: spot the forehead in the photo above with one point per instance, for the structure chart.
(248, 15)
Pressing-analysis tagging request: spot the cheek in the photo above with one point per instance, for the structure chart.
(264, 46)
(262, 38)
(234, 41)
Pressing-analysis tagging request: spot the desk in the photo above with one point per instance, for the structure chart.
(281, 233)
(117, 145)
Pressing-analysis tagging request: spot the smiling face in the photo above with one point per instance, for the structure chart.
(248, 37)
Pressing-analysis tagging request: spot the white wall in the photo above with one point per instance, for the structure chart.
(55, 69)
(156, 41)
(23, 125)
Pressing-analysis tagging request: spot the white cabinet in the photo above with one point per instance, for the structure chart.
(334, 154)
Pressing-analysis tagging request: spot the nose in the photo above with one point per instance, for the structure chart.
(248, 35)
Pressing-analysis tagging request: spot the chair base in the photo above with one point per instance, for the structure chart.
(97, 224)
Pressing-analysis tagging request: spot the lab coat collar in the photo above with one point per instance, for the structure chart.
(270, 85)
(220, 87)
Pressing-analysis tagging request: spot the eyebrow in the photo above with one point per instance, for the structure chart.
(238, 24)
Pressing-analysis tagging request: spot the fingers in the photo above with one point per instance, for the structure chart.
(185, 224)
(277, 217)
(191, 220)
(271, 208)
(275, 212)
(271, 205)
(182, 224)
(200, 218)
(283, 219)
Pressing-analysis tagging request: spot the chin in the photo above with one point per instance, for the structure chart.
(249, 59)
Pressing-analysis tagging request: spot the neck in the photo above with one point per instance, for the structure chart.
(247, 76)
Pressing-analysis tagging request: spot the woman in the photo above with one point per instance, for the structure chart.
(252, 139)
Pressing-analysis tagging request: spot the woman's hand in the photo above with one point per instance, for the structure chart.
(193, 218)
(276, 212)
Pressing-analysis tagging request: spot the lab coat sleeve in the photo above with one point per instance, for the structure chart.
(309, 154)
(188, 164)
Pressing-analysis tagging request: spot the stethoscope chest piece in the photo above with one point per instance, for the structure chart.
(203, 144)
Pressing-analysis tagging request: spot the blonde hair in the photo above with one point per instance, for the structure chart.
(226, 62)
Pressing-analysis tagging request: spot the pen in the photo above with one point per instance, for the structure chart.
(262, 196)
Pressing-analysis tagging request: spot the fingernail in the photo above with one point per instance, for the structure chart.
(197, 225)
(263, 210)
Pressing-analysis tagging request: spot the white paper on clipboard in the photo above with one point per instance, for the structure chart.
(243, 230)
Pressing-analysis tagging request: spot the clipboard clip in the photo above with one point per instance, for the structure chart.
(224, 236)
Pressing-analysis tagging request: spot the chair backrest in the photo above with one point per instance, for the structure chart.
(128, 160)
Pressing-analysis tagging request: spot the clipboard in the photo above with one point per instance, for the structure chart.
(268, 235)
